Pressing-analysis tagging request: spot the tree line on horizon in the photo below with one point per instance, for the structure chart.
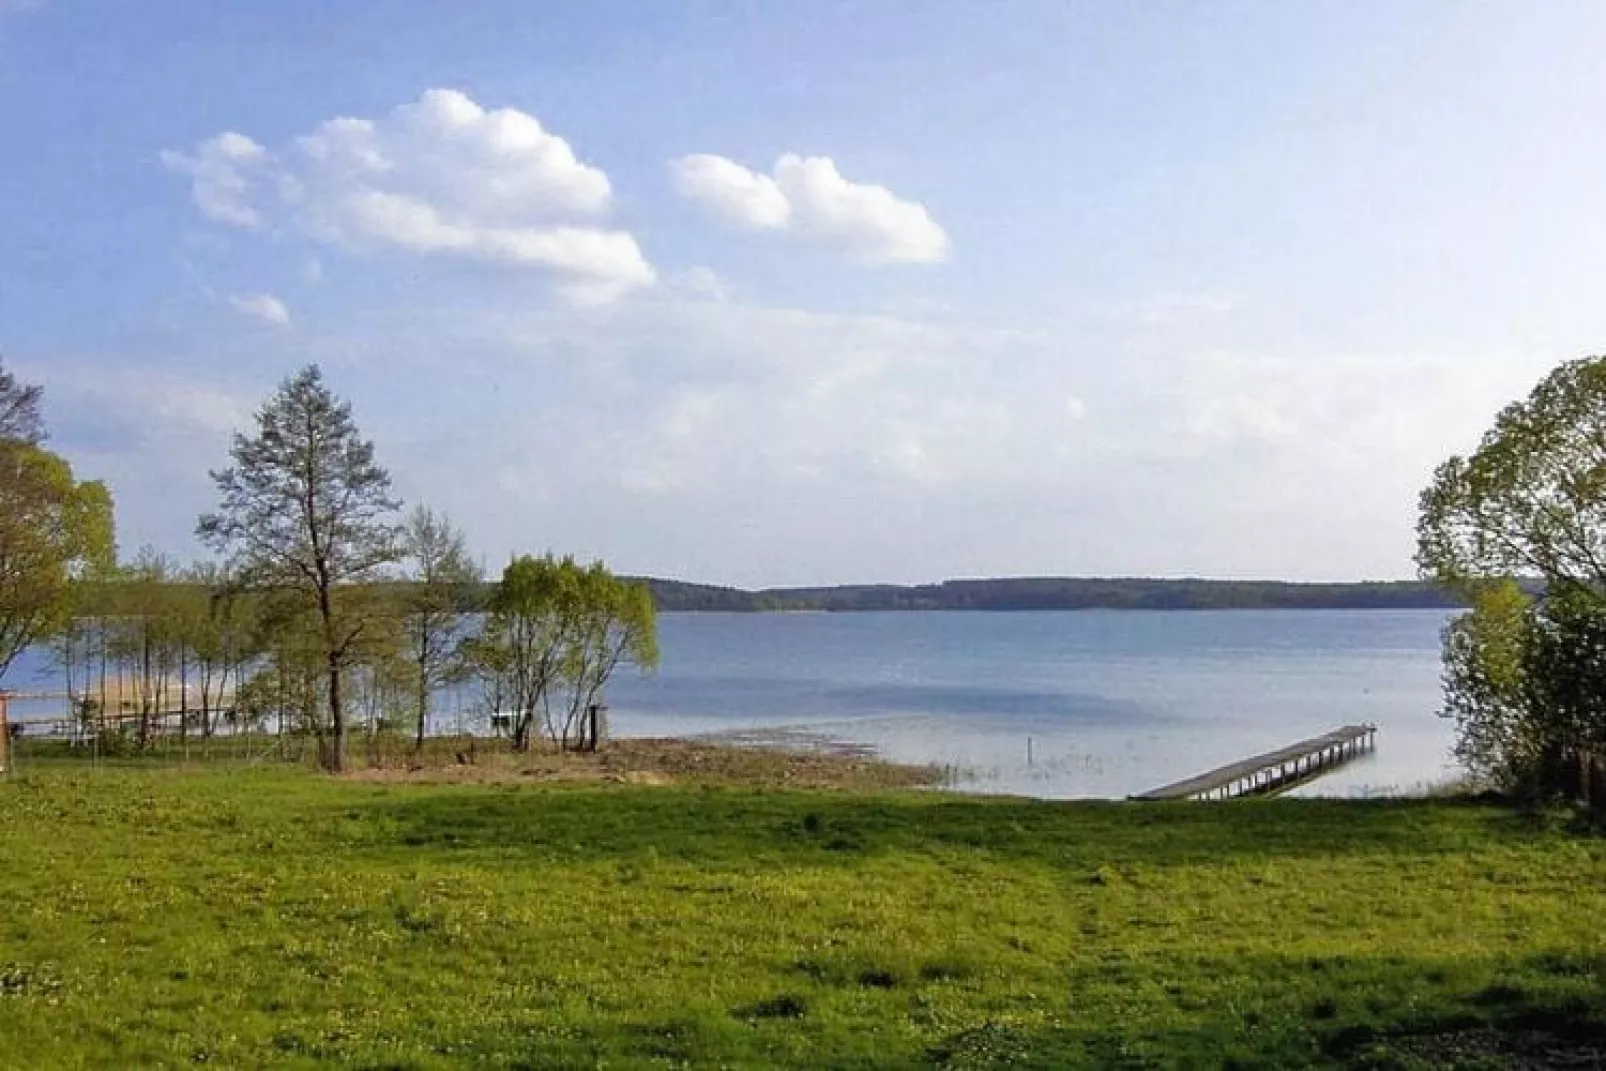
(325, 605)
(1062, 593)
(1003, 594)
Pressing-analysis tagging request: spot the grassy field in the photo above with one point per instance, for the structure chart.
(273, 917)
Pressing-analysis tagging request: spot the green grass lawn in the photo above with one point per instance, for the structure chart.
(274, 917)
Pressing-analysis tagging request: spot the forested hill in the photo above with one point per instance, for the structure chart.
(1015, 593)
(1060, 593)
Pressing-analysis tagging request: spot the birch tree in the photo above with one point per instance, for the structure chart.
(443, 581)
(555, 635)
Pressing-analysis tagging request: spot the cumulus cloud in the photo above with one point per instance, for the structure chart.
(226, 173)
(441, 176)
(732, 192)
(809, 197)
(264, 307)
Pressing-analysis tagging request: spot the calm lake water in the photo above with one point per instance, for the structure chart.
(1111, 702)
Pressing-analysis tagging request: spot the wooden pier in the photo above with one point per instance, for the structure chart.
(1274, 771)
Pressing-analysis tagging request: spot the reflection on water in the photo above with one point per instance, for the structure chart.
(1095, 703)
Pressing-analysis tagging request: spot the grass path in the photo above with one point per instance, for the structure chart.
(272, 917)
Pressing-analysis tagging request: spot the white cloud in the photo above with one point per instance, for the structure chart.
(441, 176)
(264, 307)
(226, 173)
(732, 192)
(692, 437)
(702, 283)
(199, 408)
(808, 196)
(686, 397)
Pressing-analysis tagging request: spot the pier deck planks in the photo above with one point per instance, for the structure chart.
(1330, 747)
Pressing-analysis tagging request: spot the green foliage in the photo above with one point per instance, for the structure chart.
(1486, 688)
(306, 512)
(555, 634)
(262, 917)
(1531, 500)
(1522, 681)
(445, 580)
(1565, 674)
(54, 530)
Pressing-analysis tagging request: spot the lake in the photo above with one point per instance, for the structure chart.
(1107, 703)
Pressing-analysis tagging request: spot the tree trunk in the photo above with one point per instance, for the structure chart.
(423, 701)
(207, 671)
(521, 729)
(100, 711)
(145, 689)
(335, 761)
(183, 695)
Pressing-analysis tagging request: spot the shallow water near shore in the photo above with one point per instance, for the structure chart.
(1057, 705)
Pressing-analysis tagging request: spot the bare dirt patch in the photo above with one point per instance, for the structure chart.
(1507, 1050)
(653, 762)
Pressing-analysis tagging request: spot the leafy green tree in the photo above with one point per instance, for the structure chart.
(219, 623)
(555, 635)
(1531, 500)
(1485, 689)
(54, 530)
(519, 651)
(1529, 503)
(146, 638)
(444, 580)
(613, 623)
(307, 512)
(1565, 681)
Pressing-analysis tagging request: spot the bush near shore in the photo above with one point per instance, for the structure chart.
(268, 916)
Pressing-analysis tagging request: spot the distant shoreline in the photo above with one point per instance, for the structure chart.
(837, 611)
(1000, 594)
(1014, 594)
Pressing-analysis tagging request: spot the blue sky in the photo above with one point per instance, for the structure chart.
(814, 292)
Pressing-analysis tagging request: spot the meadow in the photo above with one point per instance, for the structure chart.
(269, 916)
